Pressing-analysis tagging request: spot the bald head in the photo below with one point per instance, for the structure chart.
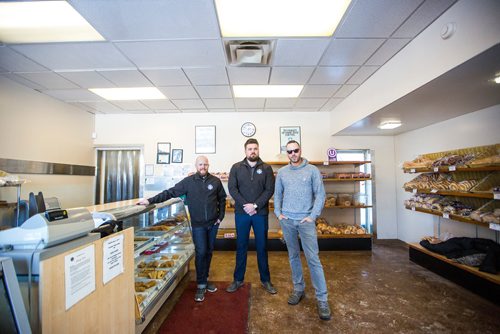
(201, 165)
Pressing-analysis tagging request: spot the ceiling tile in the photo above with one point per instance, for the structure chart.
(386, 51)
(49, 80)
(73, 95)
(130, 105)
(214, 92)
(179, 92)
(331, 104)
(166, 77)
(150, 19)
(222, 110)
(23, 81)
(345, 90)
(299, 52)
(249, 103)
(280, 103)
(84, 107)
(290, 75)
(319, 90)
(87, 79)
(332, 75)
(12, 61)
(219, 103)
(149, 54)
(207, 75)
(248, 75)
(310, 103)
(422, 17)
(346, 52)
(75, 56)
(250, 110)
(189, 104)
(103, 106)
(380, 18)
(159, 104)
(189, 111)
(362, 74)
(167, 111)
(126, 78)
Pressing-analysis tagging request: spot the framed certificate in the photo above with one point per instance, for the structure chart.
(204, 139)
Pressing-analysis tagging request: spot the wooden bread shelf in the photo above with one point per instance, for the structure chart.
(324, 163)
(349, 207)
(451, 216)
(277, 235)
(347, 180)
(446, 169)
(473, 270)
(452, 193)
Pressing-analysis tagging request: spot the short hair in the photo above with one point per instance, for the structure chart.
(251, 141)
(293, 142)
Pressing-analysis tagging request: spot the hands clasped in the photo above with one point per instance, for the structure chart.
(249, 209)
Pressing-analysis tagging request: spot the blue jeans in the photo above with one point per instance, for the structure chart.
(204, 242)
(292, 229)
(260, 225)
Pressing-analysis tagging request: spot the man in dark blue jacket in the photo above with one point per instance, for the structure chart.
(251, 184)
(206, 200)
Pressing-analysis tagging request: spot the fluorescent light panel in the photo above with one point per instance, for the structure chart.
(126, 94)
(43, 22)
(279, 18)
(267, 91)
(389, 125)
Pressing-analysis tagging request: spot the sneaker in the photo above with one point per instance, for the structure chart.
(324, 310)
(268, 286)
(199, 296)
(235, 285)
(295, 297)
(211, 287)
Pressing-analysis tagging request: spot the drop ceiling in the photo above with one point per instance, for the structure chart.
(177, 47)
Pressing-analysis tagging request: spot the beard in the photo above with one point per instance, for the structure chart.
(253, 158)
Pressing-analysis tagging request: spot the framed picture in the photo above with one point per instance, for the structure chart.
(163, 148)
(176, 155)
(204, 139)
(163, 158)
(288, 133)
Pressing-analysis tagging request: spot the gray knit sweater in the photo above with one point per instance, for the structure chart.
(299, 191)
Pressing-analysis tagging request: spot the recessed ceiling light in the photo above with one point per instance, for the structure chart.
(133, 93)
(389, 125)
(497, 79)
(279, 18)
(267, 91)
(43, 22)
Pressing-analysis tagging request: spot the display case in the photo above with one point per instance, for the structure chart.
(163, 248)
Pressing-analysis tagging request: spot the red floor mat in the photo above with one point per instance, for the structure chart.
(220, 312)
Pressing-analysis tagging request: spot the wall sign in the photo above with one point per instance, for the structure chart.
(204, 139)
(288, 133)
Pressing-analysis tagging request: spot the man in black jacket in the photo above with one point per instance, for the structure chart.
(251, 184)
(206, 200)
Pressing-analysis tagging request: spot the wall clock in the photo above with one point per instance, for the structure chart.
(248, 129)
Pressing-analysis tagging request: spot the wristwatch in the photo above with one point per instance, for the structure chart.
(255, 206)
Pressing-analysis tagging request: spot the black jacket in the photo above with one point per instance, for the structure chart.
(251, 185)
(205, 197)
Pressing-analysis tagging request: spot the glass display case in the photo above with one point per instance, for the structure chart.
(163, 248)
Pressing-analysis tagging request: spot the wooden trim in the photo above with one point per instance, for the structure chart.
(349, 207)
(347, 180)
(452, 217)
(325, 163)
(452, 193)
(447, 170)
(277, 235)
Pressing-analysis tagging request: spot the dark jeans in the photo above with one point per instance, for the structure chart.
(204, 241)
(260, 225)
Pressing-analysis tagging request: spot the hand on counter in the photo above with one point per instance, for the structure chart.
(143, 201)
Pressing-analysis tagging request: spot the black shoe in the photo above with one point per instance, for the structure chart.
(211, 287)
(199, 296)
(235, 285)
(324, 310)
(268, 286)
(295, 297)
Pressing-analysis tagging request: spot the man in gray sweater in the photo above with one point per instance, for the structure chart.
(299, 197)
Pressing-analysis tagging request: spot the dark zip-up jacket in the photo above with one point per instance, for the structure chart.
(251, 185)
(205, 198)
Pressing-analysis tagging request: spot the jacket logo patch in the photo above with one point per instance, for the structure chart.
(259, 171)
(210, 187)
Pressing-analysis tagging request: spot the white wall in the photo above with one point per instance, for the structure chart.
(384, 178)
(473, 129)
(37, 127)
(425, 58)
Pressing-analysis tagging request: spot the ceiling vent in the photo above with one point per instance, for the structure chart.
(249, 53)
